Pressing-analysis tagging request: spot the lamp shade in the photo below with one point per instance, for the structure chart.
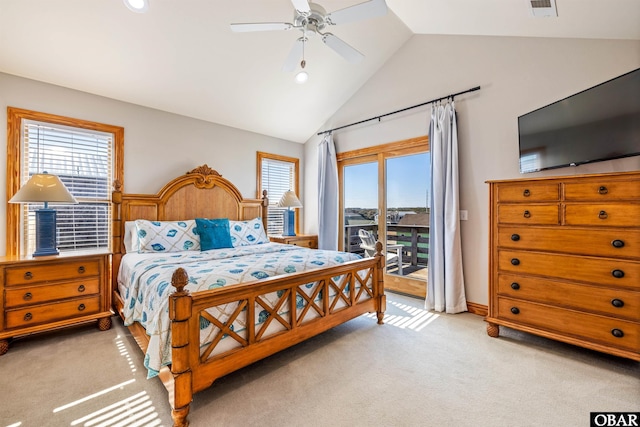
(43, 187)
(289, 200)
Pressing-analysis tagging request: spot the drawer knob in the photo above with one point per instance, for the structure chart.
(515, 237)
(617, 243)
(527, 214)
(515, 310)
(81, 269)
(618, 274)
(515, 286)
(617, 333)
(526, 193)
(28, 296)
(28, 275)
(618, 303)
(81, 288)
(603, 215)
(28, 317)
(603, 190)
(81, 307)
(515, 261)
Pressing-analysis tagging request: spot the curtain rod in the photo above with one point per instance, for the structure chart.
(473, 89)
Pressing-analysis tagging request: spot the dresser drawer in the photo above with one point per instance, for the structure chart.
(603, 214)
(529, 192)
(575, 268)
(572, 323)
(602, 190)
(30, 274)
(33, 315)
(529, 214)
(51, 292)
(610, 243)
(608, 301)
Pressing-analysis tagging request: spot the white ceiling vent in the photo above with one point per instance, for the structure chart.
(542, 8)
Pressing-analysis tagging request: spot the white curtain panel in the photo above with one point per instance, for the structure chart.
(445, 286)
(327, 195)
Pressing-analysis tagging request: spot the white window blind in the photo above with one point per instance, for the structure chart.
(83, 160)
(277, 177)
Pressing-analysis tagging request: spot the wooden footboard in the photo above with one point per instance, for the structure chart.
(308, 303)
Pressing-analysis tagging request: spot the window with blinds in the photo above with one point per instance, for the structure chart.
(83, 160)
(277, 176)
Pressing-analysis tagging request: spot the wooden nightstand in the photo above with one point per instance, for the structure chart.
(306, 240)
(40, 294)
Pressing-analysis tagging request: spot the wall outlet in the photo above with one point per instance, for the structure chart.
(464, 215)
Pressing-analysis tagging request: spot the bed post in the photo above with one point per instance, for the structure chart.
(382, 298)
(264, 209)
(180, 303)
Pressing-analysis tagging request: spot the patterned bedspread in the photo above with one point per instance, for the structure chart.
(144, 281)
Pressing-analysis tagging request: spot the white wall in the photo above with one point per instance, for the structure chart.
(516, 75)
(159, 146)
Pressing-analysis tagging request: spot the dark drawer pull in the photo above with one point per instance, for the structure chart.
(81, 288)
(527, 214)
(28, 316)
(515, 237)
(603, 190)
(618, 274)
(515, 286)
(81, 269)
(617, 243)
(515, 310)
(617, 333)
(526, 193)
(515, 261)
(81, 307)
(618, 303)
(603, 215)
(28, 296)
(28, 275)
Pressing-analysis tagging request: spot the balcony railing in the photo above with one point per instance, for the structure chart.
(414, 238)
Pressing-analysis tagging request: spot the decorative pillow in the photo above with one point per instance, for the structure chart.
(167, 236)
(246, 233)
(214, 233)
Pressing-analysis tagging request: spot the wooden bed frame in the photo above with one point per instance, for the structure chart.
(203, 192)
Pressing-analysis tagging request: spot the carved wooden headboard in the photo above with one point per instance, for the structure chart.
(200, 193)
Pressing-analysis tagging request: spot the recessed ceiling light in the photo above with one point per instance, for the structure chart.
(138, 6)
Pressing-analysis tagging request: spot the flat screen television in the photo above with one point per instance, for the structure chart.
(599, 123)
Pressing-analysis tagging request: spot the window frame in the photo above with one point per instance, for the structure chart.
(296, 165)
(15, 117)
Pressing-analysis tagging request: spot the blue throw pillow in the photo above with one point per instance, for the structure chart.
(214, 233)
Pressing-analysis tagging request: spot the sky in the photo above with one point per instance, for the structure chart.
(407, 182)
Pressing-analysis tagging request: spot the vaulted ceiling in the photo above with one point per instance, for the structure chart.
(182, 57)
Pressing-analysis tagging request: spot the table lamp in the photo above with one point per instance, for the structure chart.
(290, 201)
(44, 187)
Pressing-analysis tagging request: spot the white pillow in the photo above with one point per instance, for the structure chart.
(246, 233)
(130, 238)
(167, 236)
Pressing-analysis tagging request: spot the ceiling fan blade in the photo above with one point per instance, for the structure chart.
(260, 26)
(342, 48)
(295, 56)
(301, 6)
(366, 10)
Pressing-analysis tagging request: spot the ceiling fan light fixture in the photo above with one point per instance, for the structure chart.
(302, 77)
(138, 6)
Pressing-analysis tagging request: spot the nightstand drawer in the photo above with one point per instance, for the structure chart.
(51, 292)
(23, 275)
(34, 315)
(306, 242)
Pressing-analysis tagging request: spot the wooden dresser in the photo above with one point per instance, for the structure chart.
(40, 294)
(565, 260)
(306, 240)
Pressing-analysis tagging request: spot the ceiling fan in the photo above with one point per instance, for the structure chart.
(312, 19)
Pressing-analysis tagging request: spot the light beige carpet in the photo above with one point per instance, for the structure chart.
(419, 369)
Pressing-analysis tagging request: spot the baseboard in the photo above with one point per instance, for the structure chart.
(479, 309)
